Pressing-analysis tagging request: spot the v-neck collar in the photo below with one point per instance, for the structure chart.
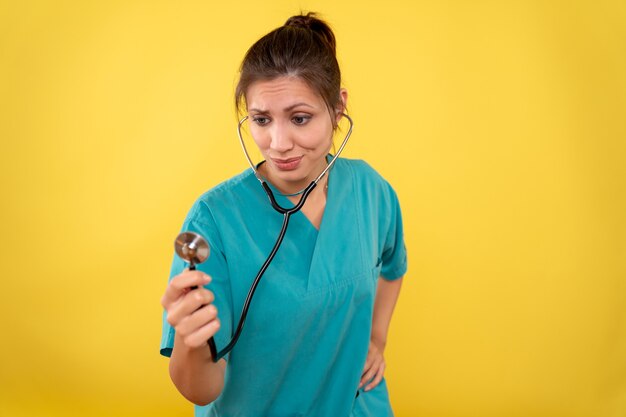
(339, 235)
(300, 216)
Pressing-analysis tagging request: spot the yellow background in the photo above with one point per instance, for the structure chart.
(502, 125)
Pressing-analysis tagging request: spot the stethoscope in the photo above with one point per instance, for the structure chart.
(194, 249)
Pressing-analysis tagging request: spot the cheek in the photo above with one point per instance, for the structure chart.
(319, 138)
(260, 137)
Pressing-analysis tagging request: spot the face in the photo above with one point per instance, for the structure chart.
(293, 129)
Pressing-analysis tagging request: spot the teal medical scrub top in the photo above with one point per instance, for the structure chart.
(304, 344)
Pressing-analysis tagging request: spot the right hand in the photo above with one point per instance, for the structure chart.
(190, 310)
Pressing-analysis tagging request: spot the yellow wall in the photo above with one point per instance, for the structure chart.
(501, 125)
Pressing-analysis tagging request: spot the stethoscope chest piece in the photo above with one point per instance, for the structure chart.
(192, 247)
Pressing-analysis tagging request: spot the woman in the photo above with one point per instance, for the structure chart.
(315, 335)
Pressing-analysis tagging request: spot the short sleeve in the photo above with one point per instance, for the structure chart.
(200, 220)
(394, 258)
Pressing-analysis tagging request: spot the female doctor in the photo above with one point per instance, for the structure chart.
(315, 334)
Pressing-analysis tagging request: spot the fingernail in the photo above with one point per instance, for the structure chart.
(207, 278)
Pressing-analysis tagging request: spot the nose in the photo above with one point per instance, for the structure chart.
(281, 140)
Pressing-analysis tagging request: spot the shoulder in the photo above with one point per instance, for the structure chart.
(223, 196)
(366, 178)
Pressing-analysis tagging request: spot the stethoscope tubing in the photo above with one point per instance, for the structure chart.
(286, 212)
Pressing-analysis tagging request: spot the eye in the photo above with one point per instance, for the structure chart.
(260, 120)
(300, 119)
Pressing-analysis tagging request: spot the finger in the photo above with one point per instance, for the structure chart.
(366, 368)
(189, 303)
(367, 377)
(180, 284)
(202, 335)
(196, 320)
(369, 374)
(377, 378)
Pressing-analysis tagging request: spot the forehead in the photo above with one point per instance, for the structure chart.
(281, 93)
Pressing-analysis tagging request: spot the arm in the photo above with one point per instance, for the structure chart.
(386, 296)
(194, 373)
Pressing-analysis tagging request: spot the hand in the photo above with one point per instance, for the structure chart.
(189, 308)
(374, 365)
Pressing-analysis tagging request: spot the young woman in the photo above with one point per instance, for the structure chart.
(315, 334)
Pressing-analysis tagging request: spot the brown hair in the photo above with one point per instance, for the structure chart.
(303, 47)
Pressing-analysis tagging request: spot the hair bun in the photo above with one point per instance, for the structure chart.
(301, 21)
(311, 22)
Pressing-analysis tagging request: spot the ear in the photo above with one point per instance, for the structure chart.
(343, 94)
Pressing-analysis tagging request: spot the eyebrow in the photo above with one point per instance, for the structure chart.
(286, 109)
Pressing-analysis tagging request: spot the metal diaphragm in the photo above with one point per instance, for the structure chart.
(192, 247)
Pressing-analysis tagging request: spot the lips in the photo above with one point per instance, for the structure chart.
(288, 164)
